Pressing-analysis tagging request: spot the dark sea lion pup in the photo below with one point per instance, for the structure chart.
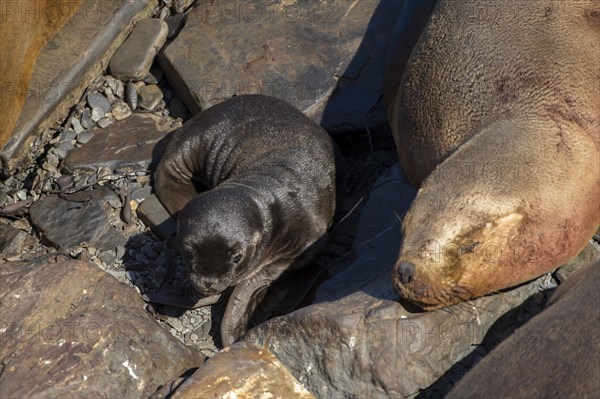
(251, 182)
(497, 119)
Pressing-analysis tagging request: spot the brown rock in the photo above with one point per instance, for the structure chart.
(242, 370)
(554, 355)
(71, 59)
(70, 329)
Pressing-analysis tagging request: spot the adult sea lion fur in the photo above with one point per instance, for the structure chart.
(497, 118)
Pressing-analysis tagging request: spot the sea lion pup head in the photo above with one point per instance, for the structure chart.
(221, 235)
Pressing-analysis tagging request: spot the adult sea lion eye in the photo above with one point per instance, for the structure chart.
(236, 258)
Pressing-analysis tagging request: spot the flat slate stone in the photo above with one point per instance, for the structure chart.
(134, 58)
(134, 142)
(67, 224)
(71, 330)
(325, 58)
(68, 63)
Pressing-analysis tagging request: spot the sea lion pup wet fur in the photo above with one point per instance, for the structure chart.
(497, 118)
(251, 182)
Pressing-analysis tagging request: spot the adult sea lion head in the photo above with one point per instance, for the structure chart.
(221, 234)
(488, 219)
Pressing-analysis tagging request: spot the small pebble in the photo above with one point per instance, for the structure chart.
(21, 194)
(86, 119)
(64, 181)
(150, 97)
(103, 172)
(115, 203)
(67, 135)
(164, 13)
(97, 114)
(76, 125)
(131, 95)
(110, 95)
(97, 100)
(119, 88)
(106, 121)
(150, 252)
(52, 159)
(175, 323)
(85, 136)
(193, 337)
(120, 110)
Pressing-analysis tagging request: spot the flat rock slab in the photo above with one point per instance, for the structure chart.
(325, 58)
(242, 370)
(134, 143)
(67, 224)
(360, 341)
(69, 62)
(556, 354)
(154, 215)
(134, 58)
(71, 330)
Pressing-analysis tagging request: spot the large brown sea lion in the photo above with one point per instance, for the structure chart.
(497, 118)
(251, 182)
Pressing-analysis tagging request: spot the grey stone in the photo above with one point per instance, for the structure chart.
(67, 135)
(134, 58)
(131, 95)
(97, 100)
(66, 65)
(67, 224)
(141, 193)
(71, 330)
(154, 215)
(106, 122)
(63, 149)
(325, 58)
(77, 127)
(150, 96)
(358, 340)
(131, 143)
(120, 110)
(110, 95)
(13, 241)
(85, 136)
(97, 114)
(86, 119)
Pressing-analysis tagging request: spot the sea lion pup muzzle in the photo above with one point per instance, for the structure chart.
(252, 184)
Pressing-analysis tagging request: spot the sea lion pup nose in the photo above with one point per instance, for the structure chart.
(251, 182)
(503, 137)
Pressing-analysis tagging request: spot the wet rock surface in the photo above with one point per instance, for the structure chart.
(87, 335)
(335, 77)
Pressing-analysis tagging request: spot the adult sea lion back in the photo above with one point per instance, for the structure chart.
(497, 117)
(251, 182)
